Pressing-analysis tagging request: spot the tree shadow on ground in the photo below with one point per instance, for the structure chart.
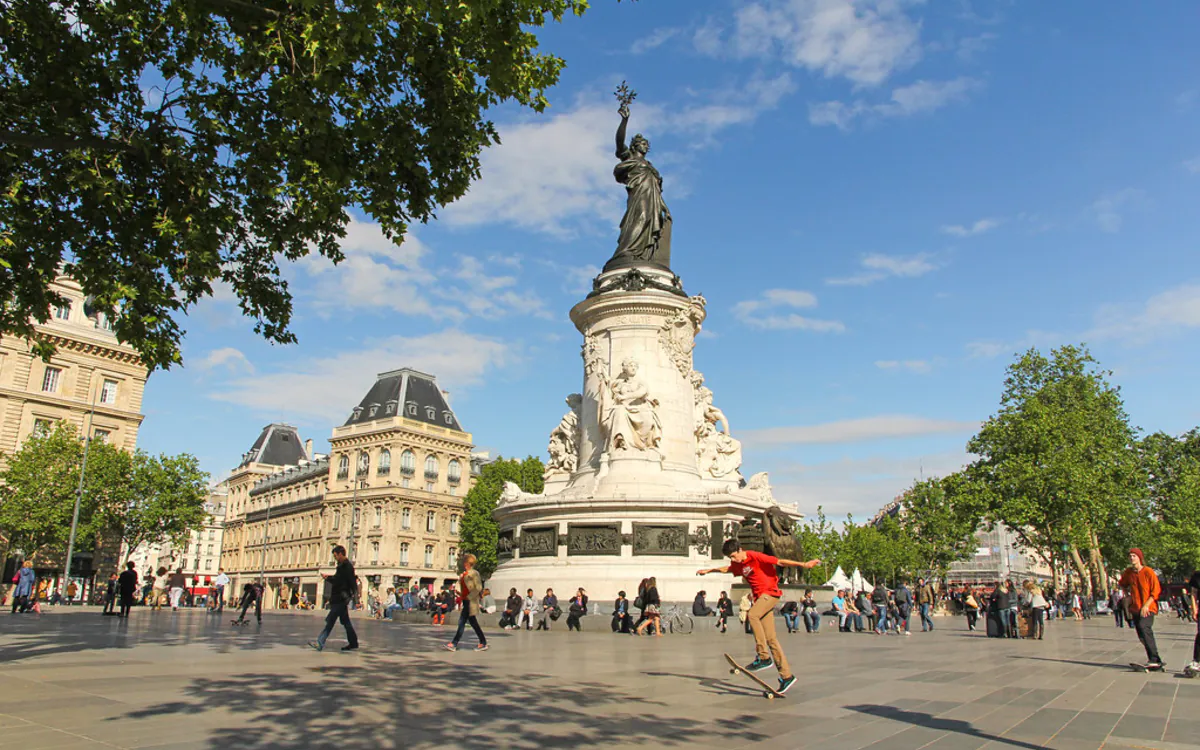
(929, 721)
(369, 702)
(711, 684)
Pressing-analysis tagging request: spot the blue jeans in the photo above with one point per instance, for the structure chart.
(338, 611)
(463, 619)
(388, 610)
(812, 620)
(881, 618)
(926, 620)
(792, 621)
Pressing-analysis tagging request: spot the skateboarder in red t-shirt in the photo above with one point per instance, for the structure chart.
(759, 571)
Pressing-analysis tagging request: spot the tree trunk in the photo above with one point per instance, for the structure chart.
(1081, 568)
(1101, 573)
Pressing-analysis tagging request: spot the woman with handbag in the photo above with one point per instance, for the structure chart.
(1037, 610)
(972, 606)
(651, 601)
(577, 609)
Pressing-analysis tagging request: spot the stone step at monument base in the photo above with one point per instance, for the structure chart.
(603, 579)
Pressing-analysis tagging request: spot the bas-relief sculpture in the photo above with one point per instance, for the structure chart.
(646, 227)
(564, 441)
(678, 334)
(629, 420)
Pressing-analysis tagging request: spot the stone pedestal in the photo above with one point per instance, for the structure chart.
(643, 478)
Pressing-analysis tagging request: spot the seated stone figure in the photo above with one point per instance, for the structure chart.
(630, 421)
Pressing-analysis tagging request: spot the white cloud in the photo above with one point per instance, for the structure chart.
(1164, 313)
(328, 387)
(970, 230)
(990, 349)
(916, 98)
(1109, 209)
(654, 40)
(1192, 165)
(883, 427)
(877, 267)
(754, 312)
(971, 46)
(859, 486)
(228, 358)
(863, 42)
(920, 366)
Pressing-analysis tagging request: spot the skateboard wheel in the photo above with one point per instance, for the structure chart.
(768, 696)
(733, 671)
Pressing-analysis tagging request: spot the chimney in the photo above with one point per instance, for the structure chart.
(446, 395)
(308, 448)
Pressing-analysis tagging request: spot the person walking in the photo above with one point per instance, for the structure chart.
(110, 596)
(1037, 610)
(904, 605)
(470, 587)
(127, 586)
(925, 600)
(72, 590)
(177, 582)
(879, 603)
(971, 605)
(26, 580)
(219, 585)
(651, 603)
(760, 573)
(343, 591)
(1142, 587)
(1193, 592)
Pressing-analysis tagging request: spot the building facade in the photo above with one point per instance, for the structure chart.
(998, 556)
(390, 491)
(93, 382)
(200, 555)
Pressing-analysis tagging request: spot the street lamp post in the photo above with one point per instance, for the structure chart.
(353, 545)
(262, 570)
(87, 443)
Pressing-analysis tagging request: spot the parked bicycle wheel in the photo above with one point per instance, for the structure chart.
(682, 624)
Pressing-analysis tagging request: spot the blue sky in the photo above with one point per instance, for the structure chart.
(882, 201)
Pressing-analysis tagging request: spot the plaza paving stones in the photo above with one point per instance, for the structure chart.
(188, 681)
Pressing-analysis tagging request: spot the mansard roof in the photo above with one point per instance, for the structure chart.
(407, 393)
(277, 445)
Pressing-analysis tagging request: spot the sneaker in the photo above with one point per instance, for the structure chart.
(482, 647)
(348, 647)
(785, 684)
(315, 646)
(907, 632)
(450, 647)
(759, 664)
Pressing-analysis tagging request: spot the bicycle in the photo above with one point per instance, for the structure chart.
(677, 620)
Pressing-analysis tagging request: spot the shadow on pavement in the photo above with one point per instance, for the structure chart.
(930, 721)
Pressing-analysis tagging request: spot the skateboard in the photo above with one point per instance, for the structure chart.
(769, 692)
(1145, 667)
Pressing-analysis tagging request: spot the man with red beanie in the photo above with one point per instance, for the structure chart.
(1141, 585)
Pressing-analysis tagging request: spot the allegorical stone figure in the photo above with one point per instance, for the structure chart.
(564, 441)
(629, 418)
(646, 227)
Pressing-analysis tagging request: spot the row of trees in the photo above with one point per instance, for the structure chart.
(1061, 465)
(128, 498)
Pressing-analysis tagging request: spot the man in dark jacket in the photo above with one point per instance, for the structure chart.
(904, 602)
(879, 602)
(620, 618)
(925, 599)
(512, 608)
(127, 584)
(343, 590)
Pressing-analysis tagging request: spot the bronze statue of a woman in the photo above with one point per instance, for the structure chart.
(646, 228)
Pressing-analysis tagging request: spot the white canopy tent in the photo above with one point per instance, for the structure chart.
(838, 580)
(859, 583)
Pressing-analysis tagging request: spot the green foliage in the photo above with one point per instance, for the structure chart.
(1168, 528)
(479, 533)
(38, 490)
(271, 119)
(1057, 461)
(940, 518)
(166, 500)
(820, 540)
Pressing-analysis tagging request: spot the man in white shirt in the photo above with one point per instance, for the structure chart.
(219, 584)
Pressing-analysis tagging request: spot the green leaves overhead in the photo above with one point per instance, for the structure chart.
(479, 531)
(162, 147)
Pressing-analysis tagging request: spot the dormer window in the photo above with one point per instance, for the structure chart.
(448, 417)
(357, 412)
(391, 408)
(430, 412)
(372, 410)
(411, 407)
(63, 312)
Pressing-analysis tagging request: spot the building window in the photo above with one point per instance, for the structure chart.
(429, 555)
(404, 553)
(449, 417)
(108, 392)
(378, 516)
(430, 412)
(429, 486)
(453, 524)
(63, 312)
(408, 463)
(103, 322)
(385, 462)
(430, 521)
(431, 468)
(209, 550)
(101, 436)
(372, 410)
(364, 464)
(412, 408)
(406, 518)
(374, 553)
(50, 380)
(354, 525)
(337, 517)
(212, 534)
(452, 558)
(454, 471)
(391, 408)
(208, 564)
(404, 482)
(343, 467)
(41, 427)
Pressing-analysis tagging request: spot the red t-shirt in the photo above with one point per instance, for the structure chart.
(759, 572)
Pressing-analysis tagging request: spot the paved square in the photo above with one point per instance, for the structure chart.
(74, 679)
